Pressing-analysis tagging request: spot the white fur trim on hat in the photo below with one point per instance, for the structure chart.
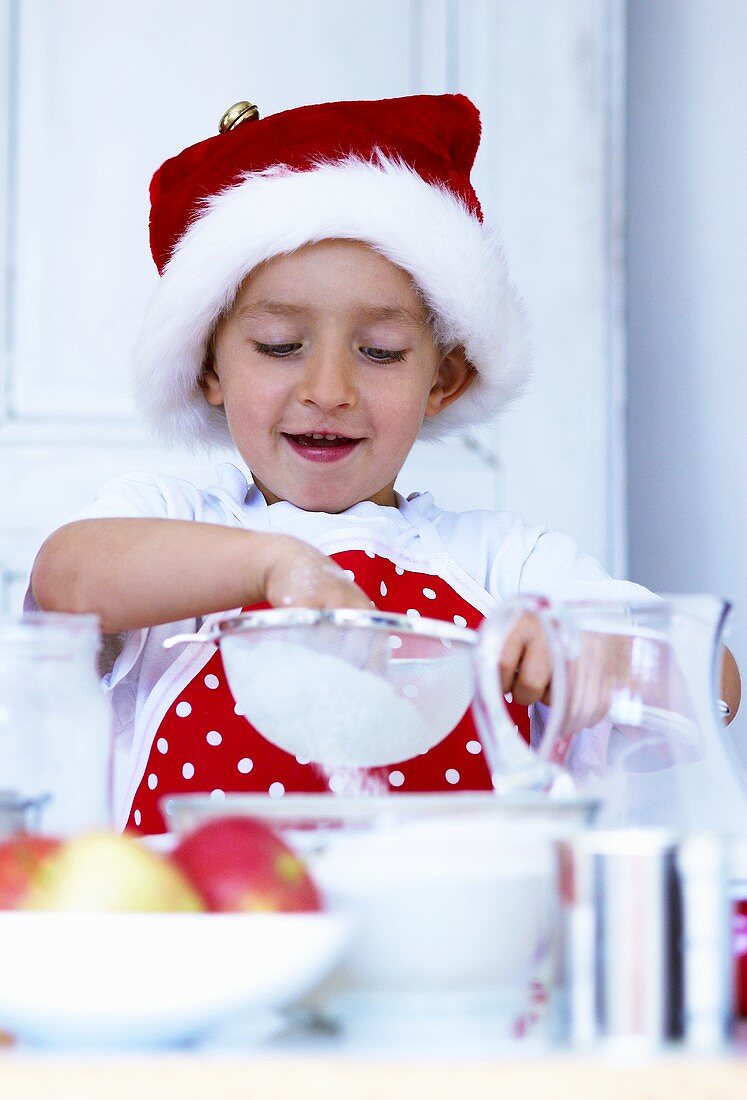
(456, 262)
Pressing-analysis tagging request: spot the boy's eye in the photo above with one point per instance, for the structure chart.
(384, 355)
(280, 351)
(276, 351)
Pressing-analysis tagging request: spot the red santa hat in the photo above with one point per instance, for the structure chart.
(394, 174)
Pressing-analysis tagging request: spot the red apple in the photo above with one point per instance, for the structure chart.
(239, 865)
(21, 860)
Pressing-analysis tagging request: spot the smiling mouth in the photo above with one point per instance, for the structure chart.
(320, 440)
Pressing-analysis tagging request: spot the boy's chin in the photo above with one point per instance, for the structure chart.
(331, 503)
(332, 506)
(308, 502)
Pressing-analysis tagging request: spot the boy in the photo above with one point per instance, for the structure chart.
(328, 294)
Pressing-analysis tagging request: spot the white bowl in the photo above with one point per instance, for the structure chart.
(144, 979)
(464, 901)
(455, 923)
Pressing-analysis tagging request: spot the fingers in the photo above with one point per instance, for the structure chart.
(526, 666)
(534, 675)
(601, 669)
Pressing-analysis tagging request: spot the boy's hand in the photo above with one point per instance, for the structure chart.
(601, 667)
(526, 665)
(298, 575)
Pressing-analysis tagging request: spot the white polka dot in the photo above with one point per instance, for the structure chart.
(152, 781)
(410, 691)
(183, 709)
(188, 770)
(217, 795)
(382, 589)
(138, 817)
(213, 737)
(276, 790)
(429, 594)
(303, 759)
(212, 681)
(395, 642)
(337, 783)
(508, 697)
(413, 613)
(245, 765)
(370, 554)
(474, 747)
(460, 620)
(396, 779)
(239, 710)
(162, 745)
(451, 775)
(399, 570)
(349, 574)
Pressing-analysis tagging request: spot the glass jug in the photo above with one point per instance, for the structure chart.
(55, 728)
(634, 717)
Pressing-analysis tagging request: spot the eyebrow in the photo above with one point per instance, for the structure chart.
(369, 313)
(277, 309)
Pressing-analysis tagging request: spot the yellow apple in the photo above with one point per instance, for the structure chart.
(109, 873)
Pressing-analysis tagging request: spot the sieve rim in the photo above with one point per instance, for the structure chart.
(280, 617)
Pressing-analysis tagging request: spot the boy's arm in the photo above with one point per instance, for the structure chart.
(602, 667)
(137, 573)
(731, 684)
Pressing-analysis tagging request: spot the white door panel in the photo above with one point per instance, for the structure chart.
(102, 92)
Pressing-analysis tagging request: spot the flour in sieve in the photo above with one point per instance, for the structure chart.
(320, 707)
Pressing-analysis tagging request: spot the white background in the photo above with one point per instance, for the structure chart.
(101, 93)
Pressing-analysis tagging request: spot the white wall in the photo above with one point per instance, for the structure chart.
(687, 301)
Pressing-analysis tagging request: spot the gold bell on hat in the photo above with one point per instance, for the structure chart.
(237, 114)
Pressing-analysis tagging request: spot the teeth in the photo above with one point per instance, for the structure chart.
(319, 435)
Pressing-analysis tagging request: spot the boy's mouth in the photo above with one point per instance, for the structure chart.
(322, 446)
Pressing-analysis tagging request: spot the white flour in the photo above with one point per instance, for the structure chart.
(324, 709)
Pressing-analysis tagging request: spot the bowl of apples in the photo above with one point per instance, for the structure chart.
(105, 942)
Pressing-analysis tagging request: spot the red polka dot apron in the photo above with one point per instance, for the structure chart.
(203, 745)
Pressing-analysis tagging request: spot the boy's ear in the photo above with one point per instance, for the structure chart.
(210, 385)
(455, 375)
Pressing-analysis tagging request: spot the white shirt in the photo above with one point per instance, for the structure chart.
(487, 557)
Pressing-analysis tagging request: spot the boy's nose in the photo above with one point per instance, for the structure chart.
(328, 383)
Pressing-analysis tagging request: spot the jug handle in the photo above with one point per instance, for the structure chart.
(513, 765)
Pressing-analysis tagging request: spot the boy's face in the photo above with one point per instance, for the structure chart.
(330, 341)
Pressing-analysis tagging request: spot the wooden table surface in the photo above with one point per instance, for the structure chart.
(188, 1077)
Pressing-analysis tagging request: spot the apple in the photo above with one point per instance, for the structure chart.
(21, 860)
(110, 873)
(239, 865)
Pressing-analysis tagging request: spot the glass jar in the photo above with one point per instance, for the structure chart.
(55, 724)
